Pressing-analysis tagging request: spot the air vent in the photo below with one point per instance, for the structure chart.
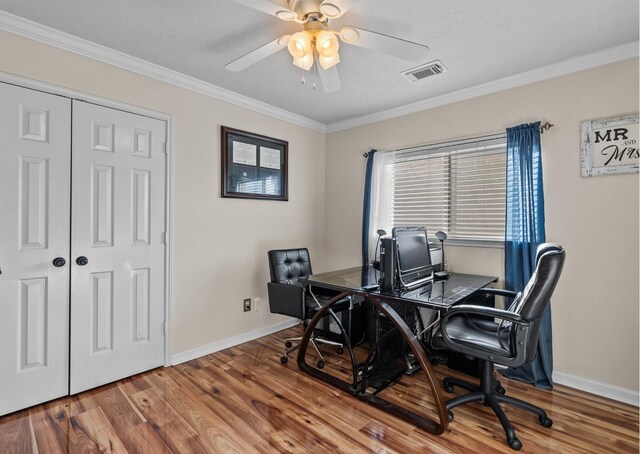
(430, 69)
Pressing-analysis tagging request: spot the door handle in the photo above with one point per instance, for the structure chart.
(82, 260)
(59, 261)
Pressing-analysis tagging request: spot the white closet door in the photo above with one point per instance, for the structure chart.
(118, 224)
(35, 151)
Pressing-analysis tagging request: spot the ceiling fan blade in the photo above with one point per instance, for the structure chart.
(383, 43)
(329, 78)
(258, 54)
(336, 8)
(268, 7)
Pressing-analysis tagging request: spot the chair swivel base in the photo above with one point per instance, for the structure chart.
(492, 394)
(288, 342)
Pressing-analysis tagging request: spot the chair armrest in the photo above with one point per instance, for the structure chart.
(287, 299)
(509, 355)
(498, 292)
(468, 309)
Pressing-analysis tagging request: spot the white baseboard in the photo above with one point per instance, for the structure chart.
(230, 342)
(628, 396)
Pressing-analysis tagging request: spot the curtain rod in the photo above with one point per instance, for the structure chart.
(543, 127)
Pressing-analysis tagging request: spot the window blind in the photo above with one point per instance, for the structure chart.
(457, 187)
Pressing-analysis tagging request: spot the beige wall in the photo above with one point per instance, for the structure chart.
(595, 306)
(219, 245)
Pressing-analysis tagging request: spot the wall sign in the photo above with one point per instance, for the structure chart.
(253, 166)
(610, 146)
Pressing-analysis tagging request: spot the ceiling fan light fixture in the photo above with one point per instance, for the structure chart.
(305, 62)
(330, 10)
(300, 45)
(327, 44)
(328, 62)
(349, 35)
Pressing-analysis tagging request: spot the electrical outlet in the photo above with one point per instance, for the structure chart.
(257, 305)
(247, 304)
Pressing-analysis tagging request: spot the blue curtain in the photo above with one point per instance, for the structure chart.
(524, 231)
(366, 207)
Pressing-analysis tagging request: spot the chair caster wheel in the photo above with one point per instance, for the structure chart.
(284, 359)
(545, 421)
(448, 387)
(320, 364)
(515, 444)
(340, 350)
(500, 389)
(450, 416)
(288, 344)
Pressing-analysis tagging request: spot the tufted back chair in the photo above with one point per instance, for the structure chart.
(287, 264)
(290, 294)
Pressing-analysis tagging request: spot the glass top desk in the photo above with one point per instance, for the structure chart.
(362, 281)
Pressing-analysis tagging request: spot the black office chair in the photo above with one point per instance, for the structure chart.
(290, 295)
(512, 341)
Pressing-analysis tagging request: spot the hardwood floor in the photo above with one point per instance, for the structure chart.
(243, 400)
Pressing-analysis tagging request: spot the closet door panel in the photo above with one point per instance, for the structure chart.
(35, 152)
(118, 218)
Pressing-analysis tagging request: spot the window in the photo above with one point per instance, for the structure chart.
(457, 187)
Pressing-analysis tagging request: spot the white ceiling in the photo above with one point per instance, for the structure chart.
(478, 41)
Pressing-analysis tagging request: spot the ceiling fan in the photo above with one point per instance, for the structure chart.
(317, 42)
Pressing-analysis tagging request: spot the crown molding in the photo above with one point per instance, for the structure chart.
(32, 30)
(47, 35)
(604, 57)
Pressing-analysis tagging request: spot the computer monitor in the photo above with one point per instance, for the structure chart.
(414, 266)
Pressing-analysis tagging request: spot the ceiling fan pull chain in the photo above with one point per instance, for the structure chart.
(317, 76)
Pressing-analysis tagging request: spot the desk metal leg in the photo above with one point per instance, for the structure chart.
(303, 366)
(425, 423)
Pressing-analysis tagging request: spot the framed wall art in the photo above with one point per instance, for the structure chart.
(253, 166)
(610, 146)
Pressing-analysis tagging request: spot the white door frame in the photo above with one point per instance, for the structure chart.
(168, 119)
